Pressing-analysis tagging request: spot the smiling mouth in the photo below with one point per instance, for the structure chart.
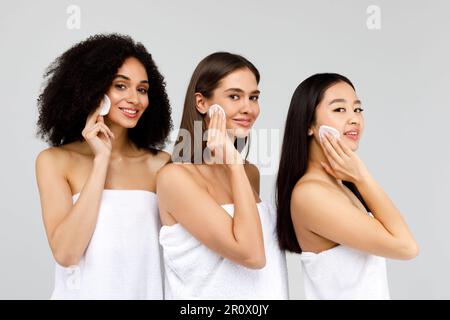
(130, 112)
(353, 135)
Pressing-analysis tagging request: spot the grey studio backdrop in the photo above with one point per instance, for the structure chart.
(395, 52)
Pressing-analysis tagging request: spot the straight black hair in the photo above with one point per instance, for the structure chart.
(294, 151)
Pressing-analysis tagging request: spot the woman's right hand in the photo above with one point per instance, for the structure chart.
(219, 143)
(98, 135)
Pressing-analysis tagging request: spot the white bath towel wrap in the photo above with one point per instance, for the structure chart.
(193, 271)
(123, 259)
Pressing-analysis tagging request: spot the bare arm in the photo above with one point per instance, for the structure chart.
(341, 222)
(238, 238)
(338, 220)
(70, 227)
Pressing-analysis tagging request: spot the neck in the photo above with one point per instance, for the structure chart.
(121, 143)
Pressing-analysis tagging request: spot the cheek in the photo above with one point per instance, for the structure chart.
(144, 101)
(257, 110)
(229, 123)
(329, 119)
(115, 97)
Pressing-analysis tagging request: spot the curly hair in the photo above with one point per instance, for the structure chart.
(77, 80)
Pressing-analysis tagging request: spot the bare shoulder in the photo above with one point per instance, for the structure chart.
(63, 159)
(308, 194)
(172, 172)
(54, 157)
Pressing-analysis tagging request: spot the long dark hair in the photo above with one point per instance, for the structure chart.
(205, 79)
(294, 151)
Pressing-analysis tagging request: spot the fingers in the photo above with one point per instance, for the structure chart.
(328, 157)
(215, 129)
(330, 152)
(100, 119)
(216, 136)
(345, 149)
(221, 132)
(92, 118)
(212, 129)
(106, 130)
(95, 129)
(334, 143)
(209, 140)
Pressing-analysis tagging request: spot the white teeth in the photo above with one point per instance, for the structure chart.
(129, 111)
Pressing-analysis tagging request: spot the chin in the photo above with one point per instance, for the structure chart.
(126, 124)
(351, 144)
(241, 133)
(354, 146)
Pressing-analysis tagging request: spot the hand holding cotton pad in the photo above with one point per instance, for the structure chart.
(215, 107)
(326, 129)
(105, 106)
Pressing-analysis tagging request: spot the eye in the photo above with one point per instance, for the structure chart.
(359, 110)
(143, 90)
(254, 98)
(234, 97)
(120, 86)
(339, 110)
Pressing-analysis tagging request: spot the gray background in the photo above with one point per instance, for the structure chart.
(401, 73)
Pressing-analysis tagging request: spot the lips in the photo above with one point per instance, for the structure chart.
(130, 113)
(352, 134)
(244, 122)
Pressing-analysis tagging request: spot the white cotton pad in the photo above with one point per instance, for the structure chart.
(328, 129)
(215, 107)
(106, 105)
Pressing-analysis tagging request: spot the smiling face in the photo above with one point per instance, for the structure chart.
(341, 109)
(128, 94)
(238, 95)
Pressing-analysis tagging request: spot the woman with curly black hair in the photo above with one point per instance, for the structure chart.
(97, 180)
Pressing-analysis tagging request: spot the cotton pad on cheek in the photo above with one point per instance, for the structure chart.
(105, 106)
(216, 107)
(323, 129)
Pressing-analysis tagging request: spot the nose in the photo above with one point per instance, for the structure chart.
(132, 96)
(354, 120)
(246, 107)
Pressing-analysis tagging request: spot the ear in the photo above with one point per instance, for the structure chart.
(200, 103)
(310, 132)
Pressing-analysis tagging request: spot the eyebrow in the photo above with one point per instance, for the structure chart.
(242, 91)
(127, 78)
(343, 100)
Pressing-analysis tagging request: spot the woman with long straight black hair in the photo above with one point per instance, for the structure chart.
(329, 207)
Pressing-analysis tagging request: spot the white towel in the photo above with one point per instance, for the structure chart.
(343, 273)
(193, 271)
(123, 259)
